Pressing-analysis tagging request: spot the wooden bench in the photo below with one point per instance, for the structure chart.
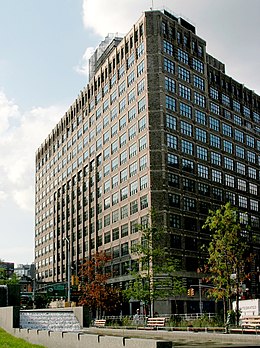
(100, 322)
(250, 322)
(156, 322)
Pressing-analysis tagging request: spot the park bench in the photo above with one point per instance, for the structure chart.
(100, 322)
(250, 322)
(156, 322)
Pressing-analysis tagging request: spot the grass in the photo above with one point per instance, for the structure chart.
(9, 341)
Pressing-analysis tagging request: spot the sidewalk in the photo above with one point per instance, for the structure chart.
(185, 339)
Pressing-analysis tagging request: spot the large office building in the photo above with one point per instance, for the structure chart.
(159, 125)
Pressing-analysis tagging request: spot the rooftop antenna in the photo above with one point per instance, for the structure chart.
(151, 8)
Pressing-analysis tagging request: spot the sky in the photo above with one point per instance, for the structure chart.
(44, 52)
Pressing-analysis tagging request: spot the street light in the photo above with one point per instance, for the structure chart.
(69, 266)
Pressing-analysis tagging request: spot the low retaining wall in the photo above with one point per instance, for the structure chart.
(9, 318)
(52, 339)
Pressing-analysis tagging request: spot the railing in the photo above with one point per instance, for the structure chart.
(186, 316)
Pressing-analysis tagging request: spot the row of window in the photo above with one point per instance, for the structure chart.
(203, 170)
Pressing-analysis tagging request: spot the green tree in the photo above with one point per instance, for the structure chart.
(155, 276)
(228, 254)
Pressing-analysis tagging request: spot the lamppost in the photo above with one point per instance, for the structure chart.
(69, 267)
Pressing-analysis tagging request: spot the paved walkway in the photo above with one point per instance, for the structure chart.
(186, 339)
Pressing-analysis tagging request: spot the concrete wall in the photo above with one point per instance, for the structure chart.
(9, 318)
(51, 339)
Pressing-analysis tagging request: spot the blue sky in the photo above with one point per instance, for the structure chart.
(44, 47)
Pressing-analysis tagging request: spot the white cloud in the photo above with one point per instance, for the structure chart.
(83, 67)
(21, 135)
(110, 16)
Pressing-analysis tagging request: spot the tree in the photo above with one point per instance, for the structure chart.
(228, 254)
(155, 274)
(97, 293)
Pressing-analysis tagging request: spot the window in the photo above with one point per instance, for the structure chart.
(225, 100)
(213, 93)
(202, 153)
(168, 48)
(141, 105)
(171, 122)
(230, 197)
(123, 157)
(199, 99)
(199, 82)
(253, 205)
(169, 84)
(131, 114)
(203, 171)
(174, 200)
(226, 130)
(133, 169)
(240, 151)
(169, 66)
(229, 180)
(124, 230)
(200, 117)
(130, 78)
(182, 56)
(140, 68)
(133, 188)
(236, 106)
(198, 65)
(201, 135)
(214, 124)
(188, 165)
(170, 103)
(186, 147)
(186, 128)
(143, 182)
(203, 189)
(143, 162)
(184, 92)
(142, 143)
(123, 175)
(228, 163)
(217, 193)
(171, 141)
(250, 141)
(214, 141)
(252, 173)
(228, 146)
(115, 198)
(172, 160)
(241, 168)
(124, 212)
(237, 120)
(140, 86)
(239, 136)
(175, 222)
(241, 185)
(214, 108)
(132, 132)
(251, 157)
(114, 164)
(183, 74)
(122, 140)
(185, 110)
(242, 201)
(133, 207)
(216, 176)
(142, 124)
(115, 181)
(131, 96)
(106, 220)
(123, 193)
(189, 204)
(121, 88)
(253, 189)
(132, 150)
(188, 185)
(143, 202)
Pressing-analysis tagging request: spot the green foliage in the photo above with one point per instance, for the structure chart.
(9, 341)
(227, 251)
(156, 275)
(41, 301)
